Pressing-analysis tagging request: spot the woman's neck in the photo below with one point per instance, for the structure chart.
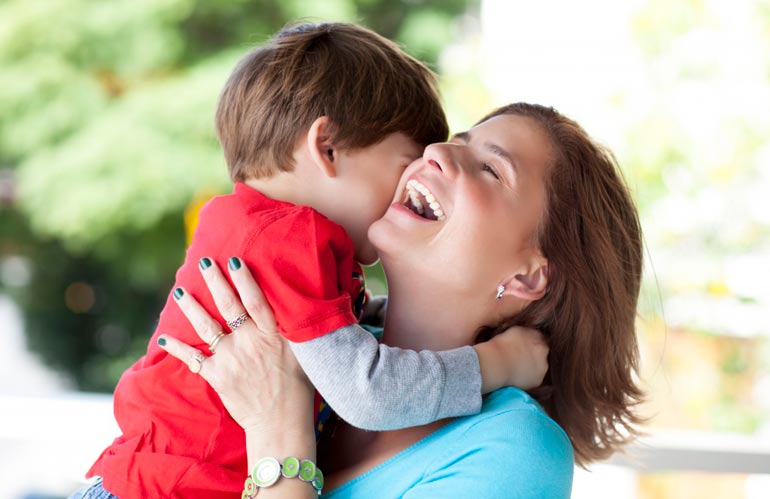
(420, 317)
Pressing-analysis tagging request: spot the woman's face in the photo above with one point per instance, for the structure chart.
(465, 215)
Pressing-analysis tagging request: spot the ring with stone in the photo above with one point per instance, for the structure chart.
(236, 323)
(196, 362)
(213, 343)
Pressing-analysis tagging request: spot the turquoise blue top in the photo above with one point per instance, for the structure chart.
(511, 449)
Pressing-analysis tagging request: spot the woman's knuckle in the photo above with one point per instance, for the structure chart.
(207, 327)
(228, 303)
(254, 305)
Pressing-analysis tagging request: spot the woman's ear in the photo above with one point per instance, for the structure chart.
(531, 282)
(319, 143)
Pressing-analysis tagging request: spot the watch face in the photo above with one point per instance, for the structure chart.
(266, 471)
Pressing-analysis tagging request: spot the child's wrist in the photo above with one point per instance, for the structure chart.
(492, 372)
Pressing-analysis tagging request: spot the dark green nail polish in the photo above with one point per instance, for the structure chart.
(234, 263)
(204, 263)
(162, 342)
(178, 293)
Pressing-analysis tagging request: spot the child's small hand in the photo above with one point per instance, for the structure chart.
(516, 357)
(526, 356)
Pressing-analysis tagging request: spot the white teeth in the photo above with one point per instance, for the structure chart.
(413, 187)
(416, 202)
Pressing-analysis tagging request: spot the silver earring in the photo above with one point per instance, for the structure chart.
(500, 291)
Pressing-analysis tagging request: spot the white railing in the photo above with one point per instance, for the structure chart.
(47, 443)
(698, 451)
(679, 451)
(58, 437)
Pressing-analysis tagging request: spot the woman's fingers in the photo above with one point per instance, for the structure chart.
(251, 296)
(206, 327)
(228, 304)
(193, 357)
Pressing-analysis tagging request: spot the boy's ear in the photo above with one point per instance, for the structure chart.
(529, 283)
(319, 143)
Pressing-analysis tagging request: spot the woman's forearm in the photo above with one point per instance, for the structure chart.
(281, 438)
(255, 375)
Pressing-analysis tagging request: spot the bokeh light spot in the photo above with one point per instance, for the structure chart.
(79, 297)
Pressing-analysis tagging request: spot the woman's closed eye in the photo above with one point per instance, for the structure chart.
(489, 169)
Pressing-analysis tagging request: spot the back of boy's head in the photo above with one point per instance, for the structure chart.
(364, 84)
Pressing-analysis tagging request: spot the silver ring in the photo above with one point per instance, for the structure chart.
(213, 343)
(236, 323)
(196, 362)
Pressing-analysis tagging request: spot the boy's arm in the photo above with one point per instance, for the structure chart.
(377, 387)
(526, 346)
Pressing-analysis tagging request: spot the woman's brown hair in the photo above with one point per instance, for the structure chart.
(592, 239)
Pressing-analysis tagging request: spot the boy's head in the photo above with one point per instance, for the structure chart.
(364, 84)
(369, 107)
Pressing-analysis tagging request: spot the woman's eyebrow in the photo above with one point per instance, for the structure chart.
(493, 148)
(464, 136)
(501, 153)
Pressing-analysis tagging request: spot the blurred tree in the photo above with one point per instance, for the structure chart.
(699, 145)
(106, 136)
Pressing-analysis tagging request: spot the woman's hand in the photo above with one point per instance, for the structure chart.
(253, 370)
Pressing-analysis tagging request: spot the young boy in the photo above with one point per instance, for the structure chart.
(317, 127)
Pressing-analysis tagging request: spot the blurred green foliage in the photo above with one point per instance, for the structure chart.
(106, 136)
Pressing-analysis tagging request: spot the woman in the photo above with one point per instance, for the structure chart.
(540, 231)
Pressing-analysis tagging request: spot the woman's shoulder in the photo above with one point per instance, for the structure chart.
(511, 399)
(510, 449)
(514, 432)
(515, 416)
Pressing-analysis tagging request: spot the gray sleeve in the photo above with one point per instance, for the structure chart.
(377, 387)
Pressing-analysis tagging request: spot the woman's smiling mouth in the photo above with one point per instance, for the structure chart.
(420, 200)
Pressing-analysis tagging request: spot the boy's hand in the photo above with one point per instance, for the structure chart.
(517, 357)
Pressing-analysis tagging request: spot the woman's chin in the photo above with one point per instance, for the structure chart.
(384, 236)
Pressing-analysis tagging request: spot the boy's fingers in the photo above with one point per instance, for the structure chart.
(206, 327)
(192, 357)
(252, 297)
(227, 302)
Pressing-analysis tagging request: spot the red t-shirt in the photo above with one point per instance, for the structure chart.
(178, 439)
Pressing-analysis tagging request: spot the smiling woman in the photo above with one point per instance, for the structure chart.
(479, 193)
(538, 229)
(546, 212)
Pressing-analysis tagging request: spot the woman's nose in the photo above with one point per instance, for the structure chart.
(444, 158)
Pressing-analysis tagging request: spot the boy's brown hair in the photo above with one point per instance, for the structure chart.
(367, 87)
